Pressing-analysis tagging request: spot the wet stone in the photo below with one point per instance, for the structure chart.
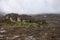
(30, 38)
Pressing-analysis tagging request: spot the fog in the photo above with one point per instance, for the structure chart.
(30, 6)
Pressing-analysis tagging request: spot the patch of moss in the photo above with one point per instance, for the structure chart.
(27, 24)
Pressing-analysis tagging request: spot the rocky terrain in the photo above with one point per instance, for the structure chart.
(30, 31)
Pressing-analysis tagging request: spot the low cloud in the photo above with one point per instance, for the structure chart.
(30, 6)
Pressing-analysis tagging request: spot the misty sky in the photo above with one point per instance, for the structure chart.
(30, 6)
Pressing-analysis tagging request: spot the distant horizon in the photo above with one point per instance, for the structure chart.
(29, 13)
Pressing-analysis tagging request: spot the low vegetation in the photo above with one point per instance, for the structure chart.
(30, 23)
(47, 29)
(22, 24)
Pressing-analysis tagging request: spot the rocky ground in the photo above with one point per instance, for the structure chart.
(13, 32)
(51, 31)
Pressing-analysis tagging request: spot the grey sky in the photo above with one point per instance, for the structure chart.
(30, 6)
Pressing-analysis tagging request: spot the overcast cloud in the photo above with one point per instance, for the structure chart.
(30, 6)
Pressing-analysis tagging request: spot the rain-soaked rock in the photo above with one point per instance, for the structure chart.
(2, 33)
(30, 38)
(14, 37)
